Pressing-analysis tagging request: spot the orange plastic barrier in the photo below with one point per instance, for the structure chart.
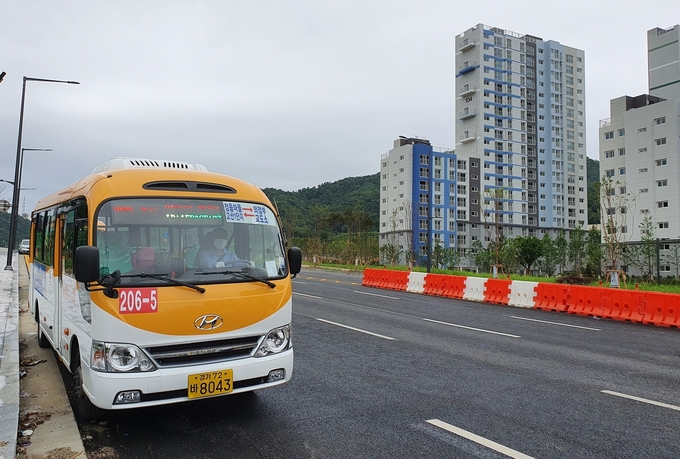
(371, 277)
(454, 286)
(434, 284)
(585, 301)
(626, 305)
(663, 310)
(551, 297)
(398, 280)
(497, 291)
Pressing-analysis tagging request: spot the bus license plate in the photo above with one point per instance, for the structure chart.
(211, 383)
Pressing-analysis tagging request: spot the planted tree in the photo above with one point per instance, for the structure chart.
(527, 250)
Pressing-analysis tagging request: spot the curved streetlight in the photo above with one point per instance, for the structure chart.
(17, 172)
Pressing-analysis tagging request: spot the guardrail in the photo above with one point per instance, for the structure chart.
(660, 309)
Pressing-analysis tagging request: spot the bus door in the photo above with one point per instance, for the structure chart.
(73, 303)
(60, 344)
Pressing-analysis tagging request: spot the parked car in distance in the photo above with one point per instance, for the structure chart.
(24, 246)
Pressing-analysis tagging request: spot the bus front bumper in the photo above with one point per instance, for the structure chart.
(170, 385)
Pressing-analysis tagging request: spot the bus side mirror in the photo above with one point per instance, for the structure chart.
(295, 260)
(86, 264)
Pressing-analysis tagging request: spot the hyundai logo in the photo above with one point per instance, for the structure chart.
(208, 322)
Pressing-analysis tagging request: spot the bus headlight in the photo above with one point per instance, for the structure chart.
(277, 340)
(118, 357)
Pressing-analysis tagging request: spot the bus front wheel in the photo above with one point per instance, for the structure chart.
(82, 404)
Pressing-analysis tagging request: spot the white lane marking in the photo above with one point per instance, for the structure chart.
(477, 439)
(414, 317)
(555, 323)
(374, 294)
(308, 296)
(471, 328)
(355, 329)
(651, 402)
(298, 282)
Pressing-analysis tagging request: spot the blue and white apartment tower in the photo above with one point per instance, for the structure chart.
(418, 196)
(520, 129)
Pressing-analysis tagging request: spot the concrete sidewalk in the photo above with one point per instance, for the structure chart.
(9, 361)
(36, 404)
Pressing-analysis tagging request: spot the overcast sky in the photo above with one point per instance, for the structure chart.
(285, 94)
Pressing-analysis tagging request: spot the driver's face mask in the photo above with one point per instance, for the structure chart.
(220, 244)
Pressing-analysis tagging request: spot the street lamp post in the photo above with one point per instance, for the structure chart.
(17, 172)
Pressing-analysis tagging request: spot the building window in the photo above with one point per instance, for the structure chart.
(609, 135)
(661, 204)
(661, 120)
(661, 183)
(661, 141)
(622, 132)
(622, 152)
(663, 225)
(641, 130)
(661, 162)
(609, 154)
(609, 173)
(622, 171)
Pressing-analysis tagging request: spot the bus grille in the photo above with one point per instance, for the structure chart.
(203, 352)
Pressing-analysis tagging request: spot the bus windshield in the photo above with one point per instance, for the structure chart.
(194, 240)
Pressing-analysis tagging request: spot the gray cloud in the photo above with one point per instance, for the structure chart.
(283, 94)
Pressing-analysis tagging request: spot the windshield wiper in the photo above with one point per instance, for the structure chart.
(167, 279)
(239, 273)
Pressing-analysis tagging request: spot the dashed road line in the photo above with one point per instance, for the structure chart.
(554, 323)
(639, 399)
(355, 329)
(477, 439)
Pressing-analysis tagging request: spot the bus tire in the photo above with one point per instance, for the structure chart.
(84, 408)
(43, 342)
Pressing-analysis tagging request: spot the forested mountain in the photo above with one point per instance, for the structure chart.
(352, 201)
(23, 229)
(593, 177)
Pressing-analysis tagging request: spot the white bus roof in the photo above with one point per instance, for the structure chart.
(141, 163)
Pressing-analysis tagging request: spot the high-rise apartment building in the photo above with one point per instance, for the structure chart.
(663, 62)
(520, 159)
(520, 124)
(640, 147)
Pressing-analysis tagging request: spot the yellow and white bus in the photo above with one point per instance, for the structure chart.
(159, 282)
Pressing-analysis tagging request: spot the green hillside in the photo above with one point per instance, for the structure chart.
(593, 177)
(23, 229)
(330, 207)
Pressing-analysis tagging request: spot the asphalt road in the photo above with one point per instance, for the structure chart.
(383, 374)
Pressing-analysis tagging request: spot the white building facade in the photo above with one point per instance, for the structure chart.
(639, 146)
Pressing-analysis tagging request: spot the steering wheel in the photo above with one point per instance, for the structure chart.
(239, 263)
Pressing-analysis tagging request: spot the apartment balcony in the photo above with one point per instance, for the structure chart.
(466, 67)
(467, 90)
(467, 43)
(467, 137)
(467, 113)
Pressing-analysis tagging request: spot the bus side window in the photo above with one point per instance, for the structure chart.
(75, 235)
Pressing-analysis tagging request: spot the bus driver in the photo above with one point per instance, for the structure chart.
(217, 255)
